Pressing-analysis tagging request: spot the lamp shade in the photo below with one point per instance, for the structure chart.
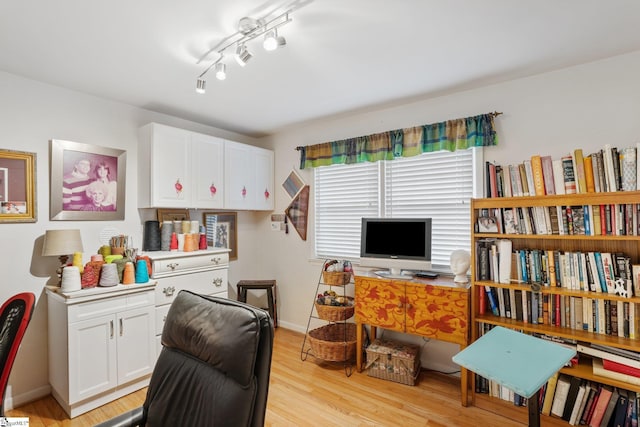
(61, 242)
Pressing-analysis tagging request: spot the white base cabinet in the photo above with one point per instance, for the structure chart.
(101, 346)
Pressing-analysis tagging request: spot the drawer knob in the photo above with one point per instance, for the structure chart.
(215, 260)
(217, 282)
(173, 265)
(169, 290)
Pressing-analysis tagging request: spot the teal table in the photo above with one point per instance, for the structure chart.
(519, 362)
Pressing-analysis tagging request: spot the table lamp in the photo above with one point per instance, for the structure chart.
(61, 243)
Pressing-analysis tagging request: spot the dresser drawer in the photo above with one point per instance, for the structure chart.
(205, 282)
(164, 267)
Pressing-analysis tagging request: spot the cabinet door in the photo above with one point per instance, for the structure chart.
(438, 312)
(380, 303)
(136, 343)
(171, 167)
(239, 176)
(92, 357)
(208, 171)
(264, 179)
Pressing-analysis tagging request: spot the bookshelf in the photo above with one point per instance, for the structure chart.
(628, 244)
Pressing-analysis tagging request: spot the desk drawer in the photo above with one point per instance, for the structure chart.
(189, 264)
(205, 282)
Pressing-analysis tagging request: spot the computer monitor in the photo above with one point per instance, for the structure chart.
(395, 244)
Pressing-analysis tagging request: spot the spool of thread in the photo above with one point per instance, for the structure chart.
(195, 227)
(71, 279)
(152, 239)
(109, 259)
(128, 277)
(181, 242)
(165, 235)
(99, 257)
(120, 263)
(77, 261)
(186, 226)
(104, 250)
(174, 242)
(142, 271)
(189, 243)
(108, 275)
(203, 241)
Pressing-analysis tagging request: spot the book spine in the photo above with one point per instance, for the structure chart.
(568, 175)
(581, 183)
(588, 174)
(537, 174)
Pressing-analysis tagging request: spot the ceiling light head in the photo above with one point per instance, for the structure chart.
(221, 71)
(242, 55)
(272, 41)
(247, 25)
(201, 86)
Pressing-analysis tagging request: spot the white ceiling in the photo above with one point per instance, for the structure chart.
(341, 55)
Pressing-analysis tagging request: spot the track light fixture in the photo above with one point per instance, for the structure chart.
(248, 29)
(201, 86)
(242, 55)
(221, 71)
(272, 41)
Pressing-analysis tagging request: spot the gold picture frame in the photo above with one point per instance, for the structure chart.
(222, 231)
(173, 215)
(17, 186)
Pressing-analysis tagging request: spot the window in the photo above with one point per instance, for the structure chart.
(437, 185)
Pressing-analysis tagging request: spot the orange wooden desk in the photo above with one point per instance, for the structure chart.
(436, 309)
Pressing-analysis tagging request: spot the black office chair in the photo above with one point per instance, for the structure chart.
(15, 315)
(213, 369)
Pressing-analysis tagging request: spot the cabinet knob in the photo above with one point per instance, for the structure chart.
(173, 265)
(168, 291)
(217, 282)
(215, 260)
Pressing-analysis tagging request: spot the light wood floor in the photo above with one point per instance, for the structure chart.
(309, 393)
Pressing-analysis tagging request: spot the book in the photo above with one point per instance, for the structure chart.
(581, 183)
(558, 176)
(592, 399)
(568, 175)
(608, 413)
(600, 406)
(612, 365)
(620, 411)
(523, 179)
(588, 174)
(560, 397)
(537, 175)
(548, 175)
(550, 391)
(580, 401)
(628, 169)
(574, 386)
(599, 370)
(504, 266)
(600, 353)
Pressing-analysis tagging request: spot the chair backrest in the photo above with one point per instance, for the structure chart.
(15, 315)
(214, 366)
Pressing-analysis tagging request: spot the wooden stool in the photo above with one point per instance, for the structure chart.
(267, 285)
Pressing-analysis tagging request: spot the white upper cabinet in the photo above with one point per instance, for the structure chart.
(248, 177)
(184, 169)
(208, 171)
(164, 167)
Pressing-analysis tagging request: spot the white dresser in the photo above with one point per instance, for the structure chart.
(203, 272)
(101, 344)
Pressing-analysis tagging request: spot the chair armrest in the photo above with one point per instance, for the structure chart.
(131, 418)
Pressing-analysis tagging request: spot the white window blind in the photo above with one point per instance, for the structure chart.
(436, 185)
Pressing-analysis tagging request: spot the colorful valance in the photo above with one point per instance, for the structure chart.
(458, 134)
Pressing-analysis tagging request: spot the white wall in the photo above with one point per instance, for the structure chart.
(554, 113)
(582, 107)
(31, 114)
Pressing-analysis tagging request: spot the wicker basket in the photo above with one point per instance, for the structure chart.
(335, 278)
(335, 342)
(335, 313)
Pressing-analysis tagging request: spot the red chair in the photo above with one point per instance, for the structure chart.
(15, 315)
